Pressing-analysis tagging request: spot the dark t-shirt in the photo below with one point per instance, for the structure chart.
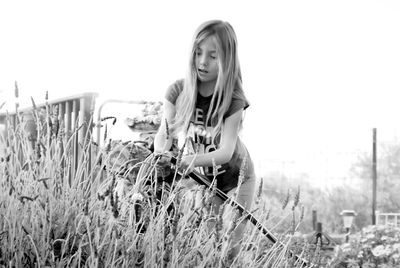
(200, 138)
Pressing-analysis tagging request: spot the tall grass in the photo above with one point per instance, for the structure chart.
(55, 214)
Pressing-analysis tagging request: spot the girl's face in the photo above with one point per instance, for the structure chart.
(206, 60)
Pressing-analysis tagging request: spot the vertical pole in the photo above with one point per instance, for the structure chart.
(314, 220)
(318, 233)
(374, 176)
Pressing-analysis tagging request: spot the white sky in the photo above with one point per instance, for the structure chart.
(319, 74)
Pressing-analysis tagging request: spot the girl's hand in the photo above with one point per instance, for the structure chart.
(187, 163)
(165, 158)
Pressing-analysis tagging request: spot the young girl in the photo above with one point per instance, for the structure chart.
(207, 106)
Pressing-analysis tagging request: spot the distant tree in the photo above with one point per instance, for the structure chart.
(388, 170)
(356, 196)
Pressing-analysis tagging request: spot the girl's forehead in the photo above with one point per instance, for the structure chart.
(208, 43)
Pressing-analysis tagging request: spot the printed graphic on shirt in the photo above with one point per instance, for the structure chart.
(200, 140)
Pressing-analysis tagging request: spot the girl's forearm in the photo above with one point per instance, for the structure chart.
(220, 157)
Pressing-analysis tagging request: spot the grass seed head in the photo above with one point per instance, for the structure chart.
(16, 90)
(268, 214)
(296, 198)
(301, 213)
(115, 206)
(234, 222)
(219, 222)
(285, 201)
(199, 218)
(174, 223)
(259, 192)
(86, 208)
(38, 151)
(180, 154)
(213, 191)
(105, 134)
(293, 223)
(242, 171)
(33, 104)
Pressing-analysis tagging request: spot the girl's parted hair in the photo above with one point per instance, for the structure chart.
(229, 76)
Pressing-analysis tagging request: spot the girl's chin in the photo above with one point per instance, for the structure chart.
(205, 79)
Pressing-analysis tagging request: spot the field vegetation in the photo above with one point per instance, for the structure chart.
(110, 208)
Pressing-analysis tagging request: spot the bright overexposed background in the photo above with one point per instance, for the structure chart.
(319, 74)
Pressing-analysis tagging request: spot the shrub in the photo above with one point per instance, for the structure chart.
(374, 246)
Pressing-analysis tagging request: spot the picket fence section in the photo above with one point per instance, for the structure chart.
(74, 112)
(388, 219)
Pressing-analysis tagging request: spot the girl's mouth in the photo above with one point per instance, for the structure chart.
(202, 71)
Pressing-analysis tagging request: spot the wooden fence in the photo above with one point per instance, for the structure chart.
(74, 112)
(388, 219)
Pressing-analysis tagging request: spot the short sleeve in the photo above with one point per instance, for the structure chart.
(173, 91)
(239, 101)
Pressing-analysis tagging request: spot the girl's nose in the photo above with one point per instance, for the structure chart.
(203, 60)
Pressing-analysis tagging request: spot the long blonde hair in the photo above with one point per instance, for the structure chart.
(229, 76)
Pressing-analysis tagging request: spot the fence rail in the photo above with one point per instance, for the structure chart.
(73, 110)
(388, 219)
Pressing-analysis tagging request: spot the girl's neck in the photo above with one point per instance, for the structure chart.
(206, 89)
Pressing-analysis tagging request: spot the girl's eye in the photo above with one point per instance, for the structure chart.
(213, 57)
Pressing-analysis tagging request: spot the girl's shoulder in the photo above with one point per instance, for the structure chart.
(174, 90)
(238, 93)
(239, 101)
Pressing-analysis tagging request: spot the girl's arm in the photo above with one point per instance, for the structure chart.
(161, 143)
(227, 146)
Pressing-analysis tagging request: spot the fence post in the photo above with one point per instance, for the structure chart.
(374, 175)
